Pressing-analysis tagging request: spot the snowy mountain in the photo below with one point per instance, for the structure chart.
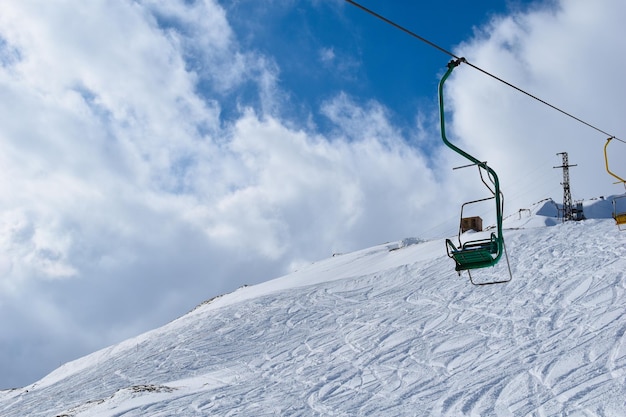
(391, 330)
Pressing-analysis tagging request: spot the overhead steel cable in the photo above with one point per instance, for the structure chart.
(403, 29)
(461, 59)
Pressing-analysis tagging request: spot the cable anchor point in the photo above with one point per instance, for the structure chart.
(456, 62)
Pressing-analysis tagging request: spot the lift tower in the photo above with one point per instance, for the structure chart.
(568, 211)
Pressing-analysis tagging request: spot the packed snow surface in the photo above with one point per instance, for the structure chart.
(391, 330)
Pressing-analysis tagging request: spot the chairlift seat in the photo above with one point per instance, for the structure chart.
(620, 218)
(474, 254)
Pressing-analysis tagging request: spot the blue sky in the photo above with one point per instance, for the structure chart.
(157, 153)
(323, 47)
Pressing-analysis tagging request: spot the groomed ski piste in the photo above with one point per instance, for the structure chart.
(390, 330)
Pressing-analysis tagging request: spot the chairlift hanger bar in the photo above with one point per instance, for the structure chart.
(471, 165)
(460, 59)
(606, 161)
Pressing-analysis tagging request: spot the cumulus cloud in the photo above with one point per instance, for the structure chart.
(563, 54)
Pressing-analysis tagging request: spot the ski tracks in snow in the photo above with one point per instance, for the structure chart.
(410, 339)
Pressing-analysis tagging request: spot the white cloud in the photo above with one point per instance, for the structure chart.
(302, 193)
(564, 55)
(327, 55)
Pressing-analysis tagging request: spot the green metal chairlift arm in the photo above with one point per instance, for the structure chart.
(473, 256)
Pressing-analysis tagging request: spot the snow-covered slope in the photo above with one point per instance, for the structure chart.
(386, 331)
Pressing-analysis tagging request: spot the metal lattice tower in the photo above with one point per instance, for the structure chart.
(568, 211)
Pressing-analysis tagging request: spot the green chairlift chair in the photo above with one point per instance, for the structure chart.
(484, 252)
